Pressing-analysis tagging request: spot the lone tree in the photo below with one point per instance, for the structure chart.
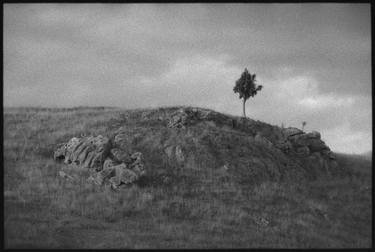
(246, 87)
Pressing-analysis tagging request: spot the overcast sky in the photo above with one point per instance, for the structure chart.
(313, 60)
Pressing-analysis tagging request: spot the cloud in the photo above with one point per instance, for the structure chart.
(314, 60)
(344, 139)
(324, 101)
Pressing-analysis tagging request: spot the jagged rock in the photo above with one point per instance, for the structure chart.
(303, 151)
(120, 156)
(308, 146)
(329, 154)
(316, 145)
(122, 140)
(178, 119)
(199, 114)
(312, 140)
(137, 164)
(88, 152)
(284, 146)
(113, 165)
(115, 175)
(313, 134)
(109, 163)
(289, 132)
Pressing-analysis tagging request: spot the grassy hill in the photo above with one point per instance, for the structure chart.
(228, 192)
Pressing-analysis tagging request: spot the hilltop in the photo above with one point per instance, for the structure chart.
(212, 181)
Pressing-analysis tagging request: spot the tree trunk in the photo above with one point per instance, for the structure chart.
(244, 114)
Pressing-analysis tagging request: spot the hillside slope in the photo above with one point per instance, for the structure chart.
(213, 181)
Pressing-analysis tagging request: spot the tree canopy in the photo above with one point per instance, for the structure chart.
(246, 87)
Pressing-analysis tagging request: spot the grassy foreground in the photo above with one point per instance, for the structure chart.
(205, 209)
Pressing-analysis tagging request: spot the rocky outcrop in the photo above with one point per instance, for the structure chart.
(182, 117)
(178, 119)
(108, 163)
(87, 152)
(118, 161)
(308, 146)
(302, 142)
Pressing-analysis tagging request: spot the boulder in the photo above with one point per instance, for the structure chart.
(316, 145)
(64, 150)
(137, 164)
(122, 140)
(178, 120)
(120, 156)
(284, 146)
(88, 152)
(302, 151)
(313, 134)
(291, 131)
(328, 153)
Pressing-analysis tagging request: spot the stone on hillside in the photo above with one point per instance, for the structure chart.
(137, 164)
(313, 134)
(88, 152)
(122, 140)
(316, 145)
(178, 120)
(199, 114)
(120, 156)
(63, 152)
(291, 131)
(328, 153)
(111, 164)
(303, 151)
(284, 146)
(108, 163)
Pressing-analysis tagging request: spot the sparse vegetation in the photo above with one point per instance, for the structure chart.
(203, 203)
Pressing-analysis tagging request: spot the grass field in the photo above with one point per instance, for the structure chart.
(206, 208)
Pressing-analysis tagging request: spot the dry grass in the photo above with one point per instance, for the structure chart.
(204, 206)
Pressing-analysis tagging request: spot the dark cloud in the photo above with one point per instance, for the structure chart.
(314, 60)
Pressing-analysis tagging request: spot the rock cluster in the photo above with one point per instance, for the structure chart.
(108, 163)
(299, 142)
(87, 152)
(308, 146)
(182, 117)
(178, 120)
